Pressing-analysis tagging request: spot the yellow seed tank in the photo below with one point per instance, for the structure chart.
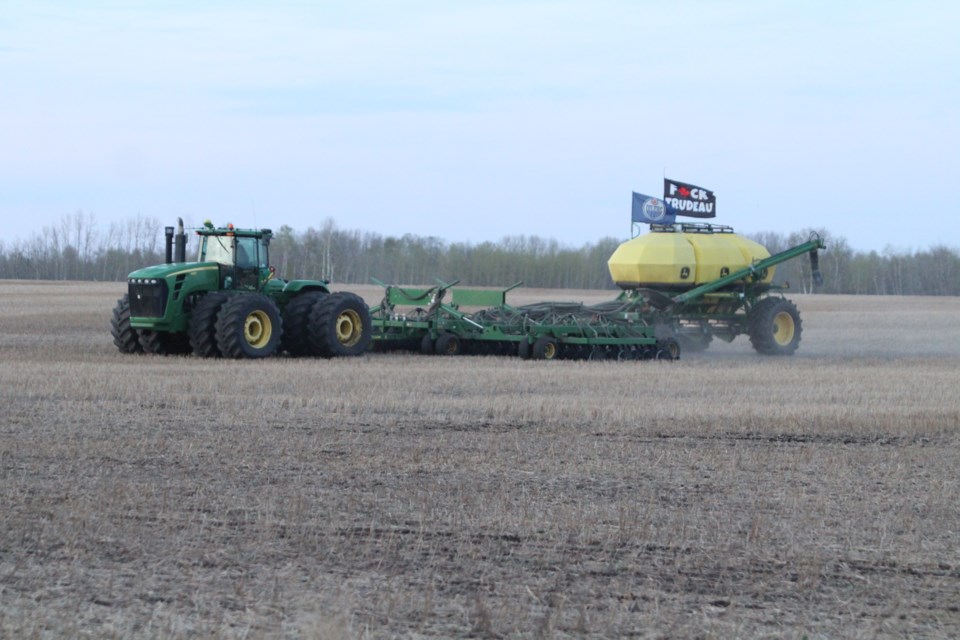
(683, 256)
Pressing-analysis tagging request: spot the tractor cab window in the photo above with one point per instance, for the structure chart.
(247, 253)
(263, 256)
(251, 256)
(242, 260)
(217, 249)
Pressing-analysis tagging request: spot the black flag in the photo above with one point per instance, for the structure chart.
(689, 200)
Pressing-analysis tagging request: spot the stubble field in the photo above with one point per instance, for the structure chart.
(723, 495)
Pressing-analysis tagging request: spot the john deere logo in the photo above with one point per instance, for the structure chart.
(654, 209)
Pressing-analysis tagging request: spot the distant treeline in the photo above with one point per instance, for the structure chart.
(77, 249)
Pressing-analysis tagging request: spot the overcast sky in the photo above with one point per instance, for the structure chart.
(477, 120)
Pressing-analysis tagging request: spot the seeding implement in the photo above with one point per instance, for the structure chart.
(682, 284)
(228, 304)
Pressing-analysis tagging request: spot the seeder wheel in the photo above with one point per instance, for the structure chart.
(774, 327)
(546, 348)
(668, 349)
(449, 345)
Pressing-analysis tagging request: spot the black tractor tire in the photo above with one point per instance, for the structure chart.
(546, 348)
(340, 326)
(125, 337)
(427, 346)
(202, 328)
(774, 327)
(164, 343)
(296, 324)
(449, 344)
(668, 349)
(249, 326)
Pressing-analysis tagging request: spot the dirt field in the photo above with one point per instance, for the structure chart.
(724, 495)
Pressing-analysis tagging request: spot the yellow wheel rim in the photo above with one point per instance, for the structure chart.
(349, 328)
(549, 351)
(783, 328)
(257, 329)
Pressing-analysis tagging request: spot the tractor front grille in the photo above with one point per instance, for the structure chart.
(148, 297)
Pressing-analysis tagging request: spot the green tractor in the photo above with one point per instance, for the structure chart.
(228, 304)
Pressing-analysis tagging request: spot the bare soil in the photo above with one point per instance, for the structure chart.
(724, 495)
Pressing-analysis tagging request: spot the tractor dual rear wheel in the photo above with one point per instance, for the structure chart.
(774, 327)
(340, 326)
(296, 323)
(248, 326)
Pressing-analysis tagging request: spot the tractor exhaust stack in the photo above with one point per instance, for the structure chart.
(181, 242)
(168, 232)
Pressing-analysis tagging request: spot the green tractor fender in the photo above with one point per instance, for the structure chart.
(283, 291)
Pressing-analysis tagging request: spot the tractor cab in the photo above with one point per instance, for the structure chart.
(241, 255)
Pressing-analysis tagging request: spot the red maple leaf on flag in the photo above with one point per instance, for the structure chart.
(683, 191)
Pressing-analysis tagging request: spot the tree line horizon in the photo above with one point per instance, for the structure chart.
(77, 249)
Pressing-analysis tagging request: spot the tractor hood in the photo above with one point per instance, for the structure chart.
(164, 271)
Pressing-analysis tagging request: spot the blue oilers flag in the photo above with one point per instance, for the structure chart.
(650, 210)
(689, 200)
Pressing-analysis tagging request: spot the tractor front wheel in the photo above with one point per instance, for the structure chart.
(774, 327)
(249, 326)
(340, 326)
(203, 325)
(124, 336)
